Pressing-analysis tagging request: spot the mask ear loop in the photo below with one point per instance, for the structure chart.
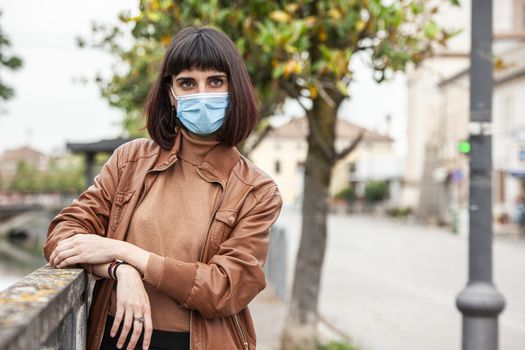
(173, 92)
(173, 110)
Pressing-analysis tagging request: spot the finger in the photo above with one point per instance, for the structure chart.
(64, 244)
(128, 320)
(72, 260)
(58, 249)
(61, 256)
(148, 330)
(118, 318)
(137, 330)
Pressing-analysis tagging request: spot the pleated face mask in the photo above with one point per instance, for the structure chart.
(202, 113)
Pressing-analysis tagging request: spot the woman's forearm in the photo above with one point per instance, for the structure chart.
(99, 270)
(133, 255)
(128, 252)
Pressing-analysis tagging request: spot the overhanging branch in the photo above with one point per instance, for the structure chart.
(261, 136)
(351, 147)
(327, 152)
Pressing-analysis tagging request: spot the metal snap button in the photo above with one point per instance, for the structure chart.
(231, 219)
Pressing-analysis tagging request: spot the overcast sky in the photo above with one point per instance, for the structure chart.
(50, 108)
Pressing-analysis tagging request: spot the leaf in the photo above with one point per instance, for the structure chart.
(165, 40)
(278, 71)
(342, 87)
(291, 8)
(359, 25)
(322, 35)
(310, 21)
(335, 13)
(280, 16)
(431, 29)
(313, 91)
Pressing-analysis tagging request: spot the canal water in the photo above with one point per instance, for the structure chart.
(18, 258)
(7, 280)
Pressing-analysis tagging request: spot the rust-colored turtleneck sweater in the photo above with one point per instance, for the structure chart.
(172, 220)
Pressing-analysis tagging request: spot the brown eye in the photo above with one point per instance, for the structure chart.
(186, 84)
(216, 82)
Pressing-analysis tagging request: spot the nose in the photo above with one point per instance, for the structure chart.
(202, 85)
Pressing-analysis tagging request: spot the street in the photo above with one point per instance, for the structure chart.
(392, 286)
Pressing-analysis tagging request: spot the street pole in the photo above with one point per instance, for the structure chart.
(480, 302)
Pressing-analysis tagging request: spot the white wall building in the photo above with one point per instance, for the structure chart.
(283, 151)
(439, 113)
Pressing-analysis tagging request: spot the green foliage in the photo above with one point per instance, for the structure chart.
(376, 191)
(347, 194)
(291, 48)
(7, 62)
(399, 212)
(337, 346)
(62, 175)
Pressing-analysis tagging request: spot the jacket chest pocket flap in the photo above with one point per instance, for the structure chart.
(225, 220)
(121, 199)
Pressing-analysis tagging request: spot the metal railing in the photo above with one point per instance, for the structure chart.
(47, 309)
(277, 262)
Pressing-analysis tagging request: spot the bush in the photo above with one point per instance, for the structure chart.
(336, 346)
(399, 212)
(347, 194)
(376, 191)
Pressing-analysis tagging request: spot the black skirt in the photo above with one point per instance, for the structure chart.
(160, 340)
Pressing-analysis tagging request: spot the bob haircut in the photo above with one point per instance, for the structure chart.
(202, 49)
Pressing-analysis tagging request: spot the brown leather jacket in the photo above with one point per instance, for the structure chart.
(217, 288)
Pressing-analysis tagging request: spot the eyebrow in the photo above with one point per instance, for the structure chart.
(210, 77)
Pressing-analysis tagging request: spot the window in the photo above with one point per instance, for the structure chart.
(351, 168)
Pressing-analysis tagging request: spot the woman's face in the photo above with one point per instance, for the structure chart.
(198, 81)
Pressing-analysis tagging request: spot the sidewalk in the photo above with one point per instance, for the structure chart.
(269, 315)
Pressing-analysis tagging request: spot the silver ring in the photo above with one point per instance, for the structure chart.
(139, 319)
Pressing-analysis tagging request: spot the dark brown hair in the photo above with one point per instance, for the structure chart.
(202, 49)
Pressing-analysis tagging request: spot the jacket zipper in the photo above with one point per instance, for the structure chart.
(201, 255)
(241, 333)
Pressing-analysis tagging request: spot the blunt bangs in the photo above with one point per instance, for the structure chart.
(196, 51)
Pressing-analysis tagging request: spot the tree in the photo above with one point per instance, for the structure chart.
(293, 49)
(62, 175)
(7, 62)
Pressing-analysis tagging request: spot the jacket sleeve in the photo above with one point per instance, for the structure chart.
(89, 213)
(233, 277)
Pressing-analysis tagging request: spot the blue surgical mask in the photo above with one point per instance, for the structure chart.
(202, 113)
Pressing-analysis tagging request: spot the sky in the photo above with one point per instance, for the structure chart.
(51, 107)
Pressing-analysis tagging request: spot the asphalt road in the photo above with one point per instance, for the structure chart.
(392, 285)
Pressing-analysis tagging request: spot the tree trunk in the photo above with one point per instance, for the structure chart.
(301, 326)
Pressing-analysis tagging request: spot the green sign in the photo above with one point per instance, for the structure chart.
(464, 147)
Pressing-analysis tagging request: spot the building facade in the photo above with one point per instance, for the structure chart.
(283, 151)
(437, 172)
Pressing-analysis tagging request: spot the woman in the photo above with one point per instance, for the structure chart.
(175, 229)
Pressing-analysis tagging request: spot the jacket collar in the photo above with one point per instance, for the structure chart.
(217, 164)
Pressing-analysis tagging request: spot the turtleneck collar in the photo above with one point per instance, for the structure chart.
(193, 149)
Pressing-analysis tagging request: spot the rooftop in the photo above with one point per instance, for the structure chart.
(298, 128)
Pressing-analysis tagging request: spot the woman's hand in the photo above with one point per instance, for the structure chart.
(132, 301)
(85, 249)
